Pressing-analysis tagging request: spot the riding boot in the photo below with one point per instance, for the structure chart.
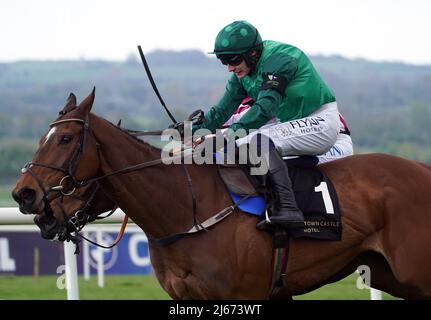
(286, 213)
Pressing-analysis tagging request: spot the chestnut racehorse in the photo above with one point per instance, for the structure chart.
(384, 200)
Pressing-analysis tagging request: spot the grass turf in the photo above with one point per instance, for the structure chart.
(144, 287)
(137, 287)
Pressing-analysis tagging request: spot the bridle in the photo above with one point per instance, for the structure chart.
(82, 216)
(79, 219)
(71, 167)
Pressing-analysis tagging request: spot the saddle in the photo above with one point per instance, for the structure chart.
(315, 196)
(314, 193)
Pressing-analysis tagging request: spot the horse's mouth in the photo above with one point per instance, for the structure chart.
(49, 226)
(37, 210)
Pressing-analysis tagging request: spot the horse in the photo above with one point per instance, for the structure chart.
(384, 201)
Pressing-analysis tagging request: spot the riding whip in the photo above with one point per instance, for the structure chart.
(153, 84)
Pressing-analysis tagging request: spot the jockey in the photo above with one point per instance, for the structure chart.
(294, 109)
(343, 146)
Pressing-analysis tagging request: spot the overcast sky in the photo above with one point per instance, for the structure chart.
(381, 30)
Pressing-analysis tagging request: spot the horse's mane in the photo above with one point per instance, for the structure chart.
(132, 134)
(426, 165)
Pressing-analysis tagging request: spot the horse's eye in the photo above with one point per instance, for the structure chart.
(66, 139)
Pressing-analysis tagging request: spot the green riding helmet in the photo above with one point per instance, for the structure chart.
(237, 38)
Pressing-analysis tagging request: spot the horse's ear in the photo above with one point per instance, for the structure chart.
(87, 103)
(70, 104)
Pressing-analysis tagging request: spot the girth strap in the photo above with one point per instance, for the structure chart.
(279, 266)
(219, 216)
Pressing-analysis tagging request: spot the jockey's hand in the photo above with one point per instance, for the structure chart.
(209, 143)
(179, 126)
(192, 142)
(197, 117)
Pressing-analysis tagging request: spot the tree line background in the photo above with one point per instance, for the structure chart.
(386, 105)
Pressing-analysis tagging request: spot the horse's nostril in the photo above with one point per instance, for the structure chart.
(27, 195)
(16, 197)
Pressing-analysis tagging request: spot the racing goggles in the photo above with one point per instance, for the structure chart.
(231, 59)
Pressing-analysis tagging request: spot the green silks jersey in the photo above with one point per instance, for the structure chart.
(304, 90)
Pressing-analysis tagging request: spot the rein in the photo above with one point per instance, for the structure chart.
(74, 162)
(76, 221)
(81, 217)
(136, 167)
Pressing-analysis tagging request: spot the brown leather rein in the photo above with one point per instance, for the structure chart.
(69, 173)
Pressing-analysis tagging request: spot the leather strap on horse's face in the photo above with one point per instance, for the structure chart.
(81, 216)
(74, 161)
(68, 172)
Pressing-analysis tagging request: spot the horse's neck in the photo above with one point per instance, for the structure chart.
(119, 147)
(159, 198)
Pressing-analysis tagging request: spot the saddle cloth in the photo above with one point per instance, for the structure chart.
(314, 192)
